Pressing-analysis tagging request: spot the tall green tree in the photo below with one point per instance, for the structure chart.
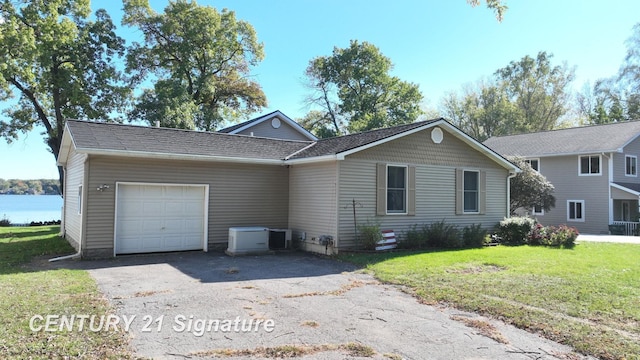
(539, 89)
(200, 59)
(355, 92)
(498, 6)
(483, 111)
(525, 96)
(57, 65)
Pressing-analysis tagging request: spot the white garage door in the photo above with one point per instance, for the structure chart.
(155, 218)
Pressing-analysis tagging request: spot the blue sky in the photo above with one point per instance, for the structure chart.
(440, 45)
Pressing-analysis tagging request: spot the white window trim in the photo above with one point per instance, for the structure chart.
(406, 190)
(599, 173)
(539, 163)
(79, 199)
(625, 165)
(533, 211)
(464, 211)
(583, 211)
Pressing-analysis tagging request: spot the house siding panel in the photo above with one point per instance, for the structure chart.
(312, 200)
(436, 166)
(239, 195)
(74, 178)
(264, 129)
(633, 148)
(562, 172)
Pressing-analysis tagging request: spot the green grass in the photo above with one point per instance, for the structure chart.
(587, 297)
(28, 289)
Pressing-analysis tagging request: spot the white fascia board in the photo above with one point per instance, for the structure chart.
(280, 115)
(315, 159)
(598, 152)
(167, 156)
(65, 147)
(625, 189)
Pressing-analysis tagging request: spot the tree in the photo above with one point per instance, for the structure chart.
(540, 90)
(617, 98)
(60, 65)
(355, 91)
(498, 7)
(201, 59)
(482, 111)
(525, 96)
(530, 188)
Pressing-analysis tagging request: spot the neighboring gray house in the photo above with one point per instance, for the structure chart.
(594, 170)
(134, 189)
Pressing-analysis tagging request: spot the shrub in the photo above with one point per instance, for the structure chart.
(562, 236)
(369, 235)
(414, 238)
(539, 235)
(441, 234)
(515, 230)
(474, 235)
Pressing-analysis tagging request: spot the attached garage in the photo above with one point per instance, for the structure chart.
(160, 217)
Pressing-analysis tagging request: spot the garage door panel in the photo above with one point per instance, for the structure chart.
(154, 218)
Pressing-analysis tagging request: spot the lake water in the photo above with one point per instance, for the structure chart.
(23, 209)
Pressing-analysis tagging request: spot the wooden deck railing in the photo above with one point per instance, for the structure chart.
(631, 228)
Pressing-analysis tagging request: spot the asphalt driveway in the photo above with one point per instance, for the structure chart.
(197, 305)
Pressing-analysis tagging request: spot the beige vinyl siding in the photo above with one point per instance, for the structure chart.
(435, 166)
(239, 195)
(633, 148)
(312, 200)
(285, 131)
(562, 172)
(418, 148)
(75, 172)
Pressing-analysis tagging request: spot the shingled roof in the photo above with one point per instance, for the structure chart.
(572, 141)
(336, 145)
(111, 137)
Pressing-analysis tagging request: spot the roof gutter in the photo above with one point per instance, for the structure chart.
(167, 156)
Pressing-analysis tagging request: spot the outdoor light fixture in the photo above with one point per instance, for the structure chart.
(102, 187)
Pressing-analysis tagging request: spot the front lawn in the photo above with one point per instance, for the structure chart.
(587, 297)
(28, 289)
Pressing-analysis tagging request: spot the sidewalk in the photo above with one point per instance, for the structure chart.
(610, 238)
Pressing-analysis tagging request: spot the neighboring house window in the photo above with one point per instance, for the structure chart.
(538, 210)
(535, 164)
(471, 188)
(80, 200)
(575, 210)
(631, 165)
(589, 165)
(396, 189)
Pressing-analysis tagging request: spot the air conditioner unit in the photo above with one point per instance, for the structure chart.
(279, 239)
(248, 240)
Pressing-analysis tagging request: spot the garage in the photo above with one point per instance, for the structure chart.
(160, 218)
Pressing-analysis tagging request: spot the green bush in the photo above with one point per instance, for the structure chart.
(369, 235)
(414, 238)
(443, 235)
(515, 230)
(562, 236)
(4, 222)
(474, 235)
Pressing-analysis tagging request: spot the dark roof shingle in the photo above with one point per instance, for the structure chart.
(116, 137)
(578, 140)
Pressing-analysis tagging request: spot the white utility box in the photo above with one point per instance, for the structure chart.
(248, 240)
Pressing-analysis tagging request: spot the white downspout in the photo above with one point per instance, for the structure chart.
(509, 177)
